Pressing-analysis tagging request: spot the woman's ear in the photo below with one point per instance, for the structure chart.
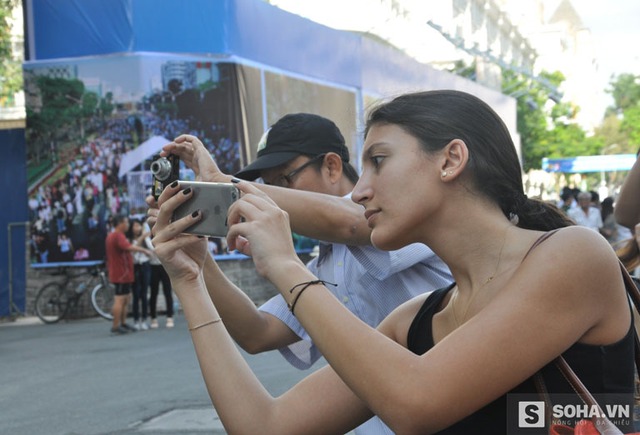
(455, 156)
(333, 163)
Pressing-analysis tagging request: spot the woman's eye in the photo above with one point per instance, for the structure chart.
(377, 160)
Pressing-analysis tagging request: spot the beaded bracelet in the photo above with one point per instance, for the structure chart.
(210, 322)
(304, 285)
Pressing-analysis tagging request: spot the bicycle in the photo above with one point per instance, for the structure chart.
(55, 299)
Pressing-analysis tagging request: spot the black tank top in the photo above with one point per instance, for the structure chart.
(602, 369)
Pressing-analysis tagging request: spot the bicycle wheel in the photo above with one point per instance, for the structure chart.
(51, 303)
(102, 300)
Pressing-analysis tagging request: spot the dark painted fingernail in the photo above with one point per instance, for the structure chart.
(235, 180)
(174, 184)
(201, 237)
(195, 213)
(186, 191)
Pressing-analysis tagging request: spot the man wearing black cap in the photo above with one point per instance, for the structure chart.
(307, 155)
(295, 137)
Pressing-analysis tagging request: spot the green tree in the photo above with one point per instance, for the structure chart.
(625, 90)
(10, 66)
(106, 106)
(534, 119)
(631, 126)
(56, 118)
(610, 133)
(461, 69)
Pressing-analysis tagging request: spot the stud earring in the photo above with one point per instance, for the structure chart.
(450, 172)
(444, 173)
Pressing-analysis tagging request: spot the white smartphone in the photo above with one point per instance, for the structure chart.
(214, 200)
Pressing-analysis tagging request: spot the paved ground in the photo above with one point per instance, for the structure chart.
(74, 378)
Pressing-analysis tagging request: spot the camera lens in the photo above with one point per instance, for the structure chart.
(161, 168)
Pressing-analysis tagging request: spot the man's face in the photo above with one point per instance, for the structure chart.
(300, 173)
(124, 225)
(584, 202)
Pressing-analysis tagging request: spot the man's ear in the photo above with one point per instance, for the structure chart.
(333, 163)
(455, 156)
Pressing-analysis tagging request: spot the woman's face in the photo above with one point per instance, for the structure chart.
(137, 228)
(399, 186)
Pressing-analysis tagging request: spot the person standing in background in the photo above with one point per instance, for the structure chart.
(142, 276)
(120, 270)
(586, 214)
(159, 275)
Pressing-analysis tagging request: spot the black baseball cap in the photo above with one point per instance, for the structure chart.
(293, 135)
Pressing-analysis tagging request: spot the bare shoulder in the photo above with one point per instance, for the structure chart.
(577, 244)
(396, 325)
(573, 262)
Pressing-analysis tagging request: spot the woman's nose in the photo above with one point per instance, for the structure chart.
(361, 192)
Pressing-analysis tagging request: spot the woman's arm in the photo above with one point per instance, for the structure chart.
(137, 248)
(254, 330)
(627, 209)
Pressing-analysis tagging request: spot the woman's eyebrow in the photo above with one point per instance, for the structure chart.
(367, 153)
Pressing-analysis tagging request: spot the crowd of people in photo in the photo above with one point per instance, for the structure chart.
(70, 216)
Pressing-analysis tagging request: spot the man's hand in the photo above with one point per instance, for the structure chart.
(195, 156)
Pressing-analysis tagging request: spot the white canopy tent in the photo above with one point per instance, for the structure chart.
(141, 153)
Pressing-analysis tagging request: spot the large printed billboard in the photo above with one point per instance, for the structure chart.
(86, 116)
(94, 125)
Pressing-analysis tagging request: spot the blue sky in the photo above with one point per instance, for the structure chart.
(615, 27)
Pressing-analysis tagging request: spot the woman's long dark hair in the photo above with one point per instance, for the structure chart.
(130, 234)
(436, 118)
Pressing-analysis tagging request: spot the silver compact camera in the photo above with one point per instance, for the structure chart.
(165, 171)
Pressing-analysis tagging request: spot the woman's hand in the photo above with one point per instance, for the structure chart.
(152, 212)
(195, 156)
(182, 255)
(259, 228)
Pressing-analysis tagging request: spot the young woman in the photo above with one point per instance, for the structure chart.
(439, 168)
(141, 273)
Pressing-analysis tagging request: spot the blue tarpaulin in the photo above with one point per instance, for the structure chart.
(606, 163)
(251, 30)
(13, 173)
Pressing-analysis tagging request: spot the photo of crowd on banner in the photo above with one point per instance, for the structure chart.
(73, 167)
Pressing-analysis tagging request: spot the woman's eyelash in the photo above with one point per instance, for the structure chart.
(377, 160)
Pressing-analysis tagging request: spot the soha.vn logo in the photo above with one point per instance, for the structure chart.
(610, 411)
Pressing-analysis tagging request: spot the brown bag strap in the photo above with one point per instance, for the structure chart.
(539, 241)
(634, 295)
(602, 424)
